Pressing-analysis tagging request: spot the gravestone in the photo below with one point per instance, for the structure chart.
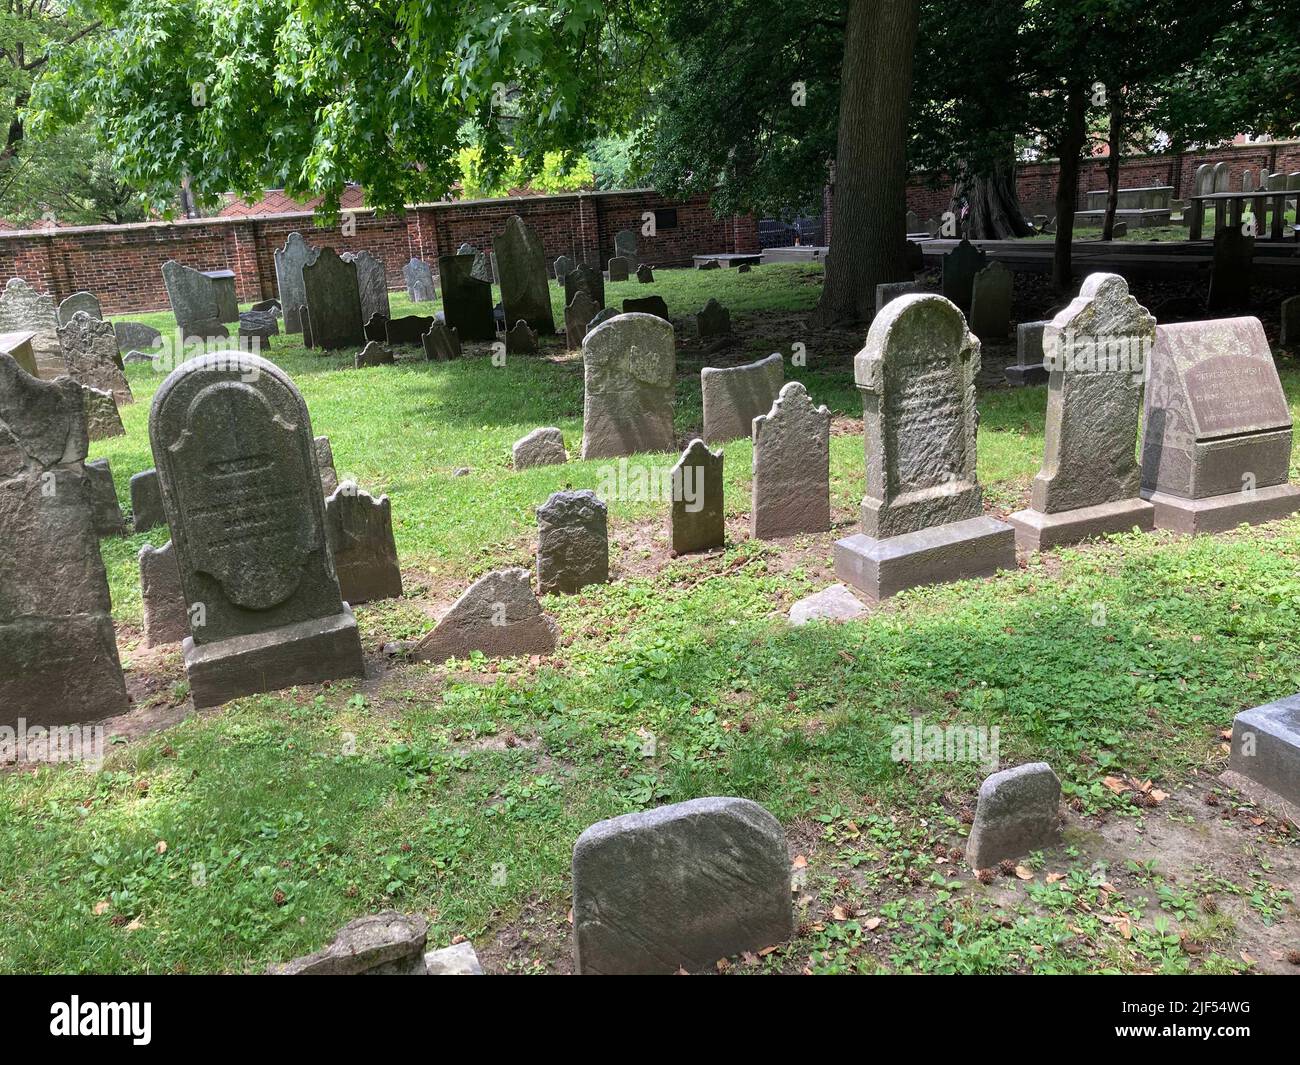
(1118, 230)
(80, 301)
(915, 257)
(132, 357)
(260, 324)
(23, 309)
(378, 944)
(913, 222)
(572, 542)
(498, 615)
(1028, 369)
(146, 502)
(646, 305)
(959, 269)
(193, 298)
(204, 331)
(714, 320)
(1216, 431)
(619, 268)
(629, 366)
(57, 641)
(234, 450)
(289, 262)
(375, 353)
(372, 281)
(1096, 350)
(103, 420)
(91, 357)
(541, 447)
(603, 315)
(679, 887)
(893, 289)
(409, 329)
(304, 326)
(166, 615)
(135, 336)
(521, 267)
(922, 516)
(466, 300)
(1016, 813)
(329, 476)
(521, 340)
(1221, 178)
(645, 275)
(333, 302)
(360, 532)
(106, 514)
(577, 315)
(625, 246)
(1230, 274)
(1266, 749)
(792, 467)
(697, 518)
(562, 267)
(707, 264)
(19, 345)
(735, 395)
(440, 343)
(418, 276)
(836, 603)
(484, 266)
(270, 305)
(990, 302)
(1290, 334)
(223, 292)
(586, 279)
(376, 327)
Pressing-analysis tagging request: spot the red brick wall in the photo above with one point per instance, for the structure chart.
(122, 265)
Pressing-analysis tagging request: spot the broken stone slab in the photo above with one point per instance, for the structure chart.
(697, 516)
(791, 491)
(541, 447)
(105, 511)
(497, 615)
(260, 324)
(380, 944)
(1266, 747)
(360, 530)
(146, 502)
(166, 615)
(457, 960)
(375, 353)
(735, 395)
(132, 357)
(324, 452)
(572, 542)
(679, 887)
(103, 420)
(713, 320)
(836, 603)
(18, 344)
(1016, 813)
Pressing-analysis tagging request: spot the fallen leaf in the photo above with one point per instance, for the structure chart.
(161, 846)
(838, 914)
(101, 907)
(800, 862)
(1052, 878)
(1116, 785)
(871, 924)
(1158, 795)
(768, 950)
(1023, 873)
(134, 926)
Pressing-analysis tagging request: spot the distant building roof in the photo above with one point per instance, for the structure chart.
(277, 201)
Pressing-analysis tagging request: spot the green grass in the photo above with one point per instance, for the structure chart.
(249, 834)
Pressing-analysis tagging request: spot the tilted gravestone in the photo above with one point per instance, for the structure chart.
(484, 266)
(714, 320)
(792, 467)
(625, 246)
(572, 542)
(103, 420)
(466, 300)
(922, 515)
(372, 280)
(23, 309)
(418, 276)
(584, 278)
(629, 366)
(541, 447)
(893, 289)
(440, 343)
(680, 887)
(697, 517)
(959, 269)
(1216, 430)
(1016, 813)
(80, 301)
(562, 267)
(57, 641)
(146, 502)
(521, 268)
(619, 268)
(360, 530)
(289, 262)
(655, 305)
(577, 316)
(1028, 369)
(333, 302)
(91, 357)
(990, 302)
(1096, 350)
(166, 619)
(498, 615)
(135, 336)
(234, 450)
(1230, 274)
(193, 298)
(735, 395)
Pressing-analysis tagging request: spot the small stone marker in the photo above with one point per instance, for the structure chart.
(990, 307)
(260, 324)
(625, 246)
(106, 513)
(619, 268)
(457, 960)
(584, 278)
(372, 282)
(80, 301)
(380, 944)
(409, 329)
(466, 300)
(1029, 368)
(91, 357)
(521, 340)
(1290, 335)
(646, 305)
(146, 502)
(223, 292)
(1216, 433)
(23, 309)
(1118, 230)
(441, 343)
(1097, 350)
(333, 302)
(735, 395)
(1266, 747)
(166, 616)
(922, 517)
(629, 366)
(959, 269)
(103, 420)
(541, 447)
(894, 289)
(374, 354)
(498, 615)
(679, 887)
(792, 467)
(562, 267)
(645, 274)
(1230, 274)
(193, 297)
(572, 542)
(836, 603)
(289, 262)
(418, 276)
(234, 450)
(135, 336)
(577, 316)
(360, 529)
(697, 517)
(714, 320)
(484, 266)
(603, 315)
(1016, 813)
(329, 477)
(521, 268)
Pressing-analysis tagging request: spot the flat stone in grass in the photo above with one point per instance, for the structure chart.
(584, 278)
(497, 615)
(679, 887)
(106, 513)
(619, 268)
(990, 306)
(324, 452)
(146, 502)
(103, 420)
(409, 329)
(289, 262)
(714, 320)
(91, 357)
(456, 960)
(521, 339)
(572, 542)
(1016, 813)
(80, 301)
(166, 616)
(135, 336)
(646, 305)
(836, 603)
(1266, 747)
(440, 343)
(1230, 274)
(1029, 368)
(629, 366)
(372, 280)
(577, 315)
(697, 517)
(959, 269)
(894, 289)
(792, 467)
(541, 447)
(466, 299)
(374, 354)
(645, 274)
(521, 268)
(333, 302)
(735, 395)
(418, 276)
(1290, 335)
(380, 944)
(360, 529)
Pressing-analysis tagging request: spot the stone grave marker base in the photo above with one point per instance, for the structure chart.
(1020, 376)
(1036, 531)
(1220, 513)
(1266, 747)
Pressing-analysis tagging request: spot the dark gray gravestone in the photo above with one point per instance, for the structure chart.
(223, 291)
(625, 246)
(408, 329)
(56, 626)
(372, 280)
(484, 268)
(192, 294)
(166, 618)
(146, 502)
(697, 517)
(521, 339)
(376, 327)
(603, 315)
(645, 274)
(792, 467)
(304, 327)
(1290, 334)
(418, 276)
(618, 268)
(466, 301)
(990, 302)
(521, 267)
(562, 267)
(79, 301)
(135, 336)
(714, 320)
(646, 305)
(261, 324)
(572, 542)
(375, 353)
(586, 279)
(360, 530)
(1266, 747)
(289, 262)
(735, 395)
(234, 450)
(440, 343)
(333, 302)
(105, 512)
(1230, 276)
(577, 315)
(959, 269)
(90, 355)
(1028, 369)
(629, 367)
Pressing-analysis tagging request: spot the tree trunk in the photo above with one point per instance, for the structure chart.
(995, 212)
(1073, 138)
(1114, 138)
(868, 242)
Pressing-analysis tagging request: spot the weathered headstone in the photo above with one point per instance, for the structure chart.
(376, 327)
(655, 305)
(23, 309)
(629, 366)
(679, 887)
(234, 450)
(792, 467)
(80, 301)
(562, 267)
(440, 343)
(959, 269)
(1230, 274)
(1118, 230)
(1028, 369)
(56, 626)
(619, 268)
(333, 302)
(697, 518)
(645, 274)
(146, 502)
(1266, 748)
(103, 420)
(372, 280)
(912, 222)
(374, 353)
(409, 329)
(466, 300)
(418, 276)
(106, 513)
(329, 476)
(577, 315)
(498, 615)
(625, 246)
(379, 944)
(360, 530)
(587, 279)
(572, 542)
(922, 516)
(193, 297)
(166, 615)
(893, 289)
(735, 395)
(521, 339)
(603, 315)
(223, 292)
(260, 324)
(541, 447)
(714, 320)
(1016, 813)
(484, 265)
(1216, 432)
(289, 262)
(1096, 350)
(990, 302)
(521, 267)
(91, 357)
(1290, 334)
